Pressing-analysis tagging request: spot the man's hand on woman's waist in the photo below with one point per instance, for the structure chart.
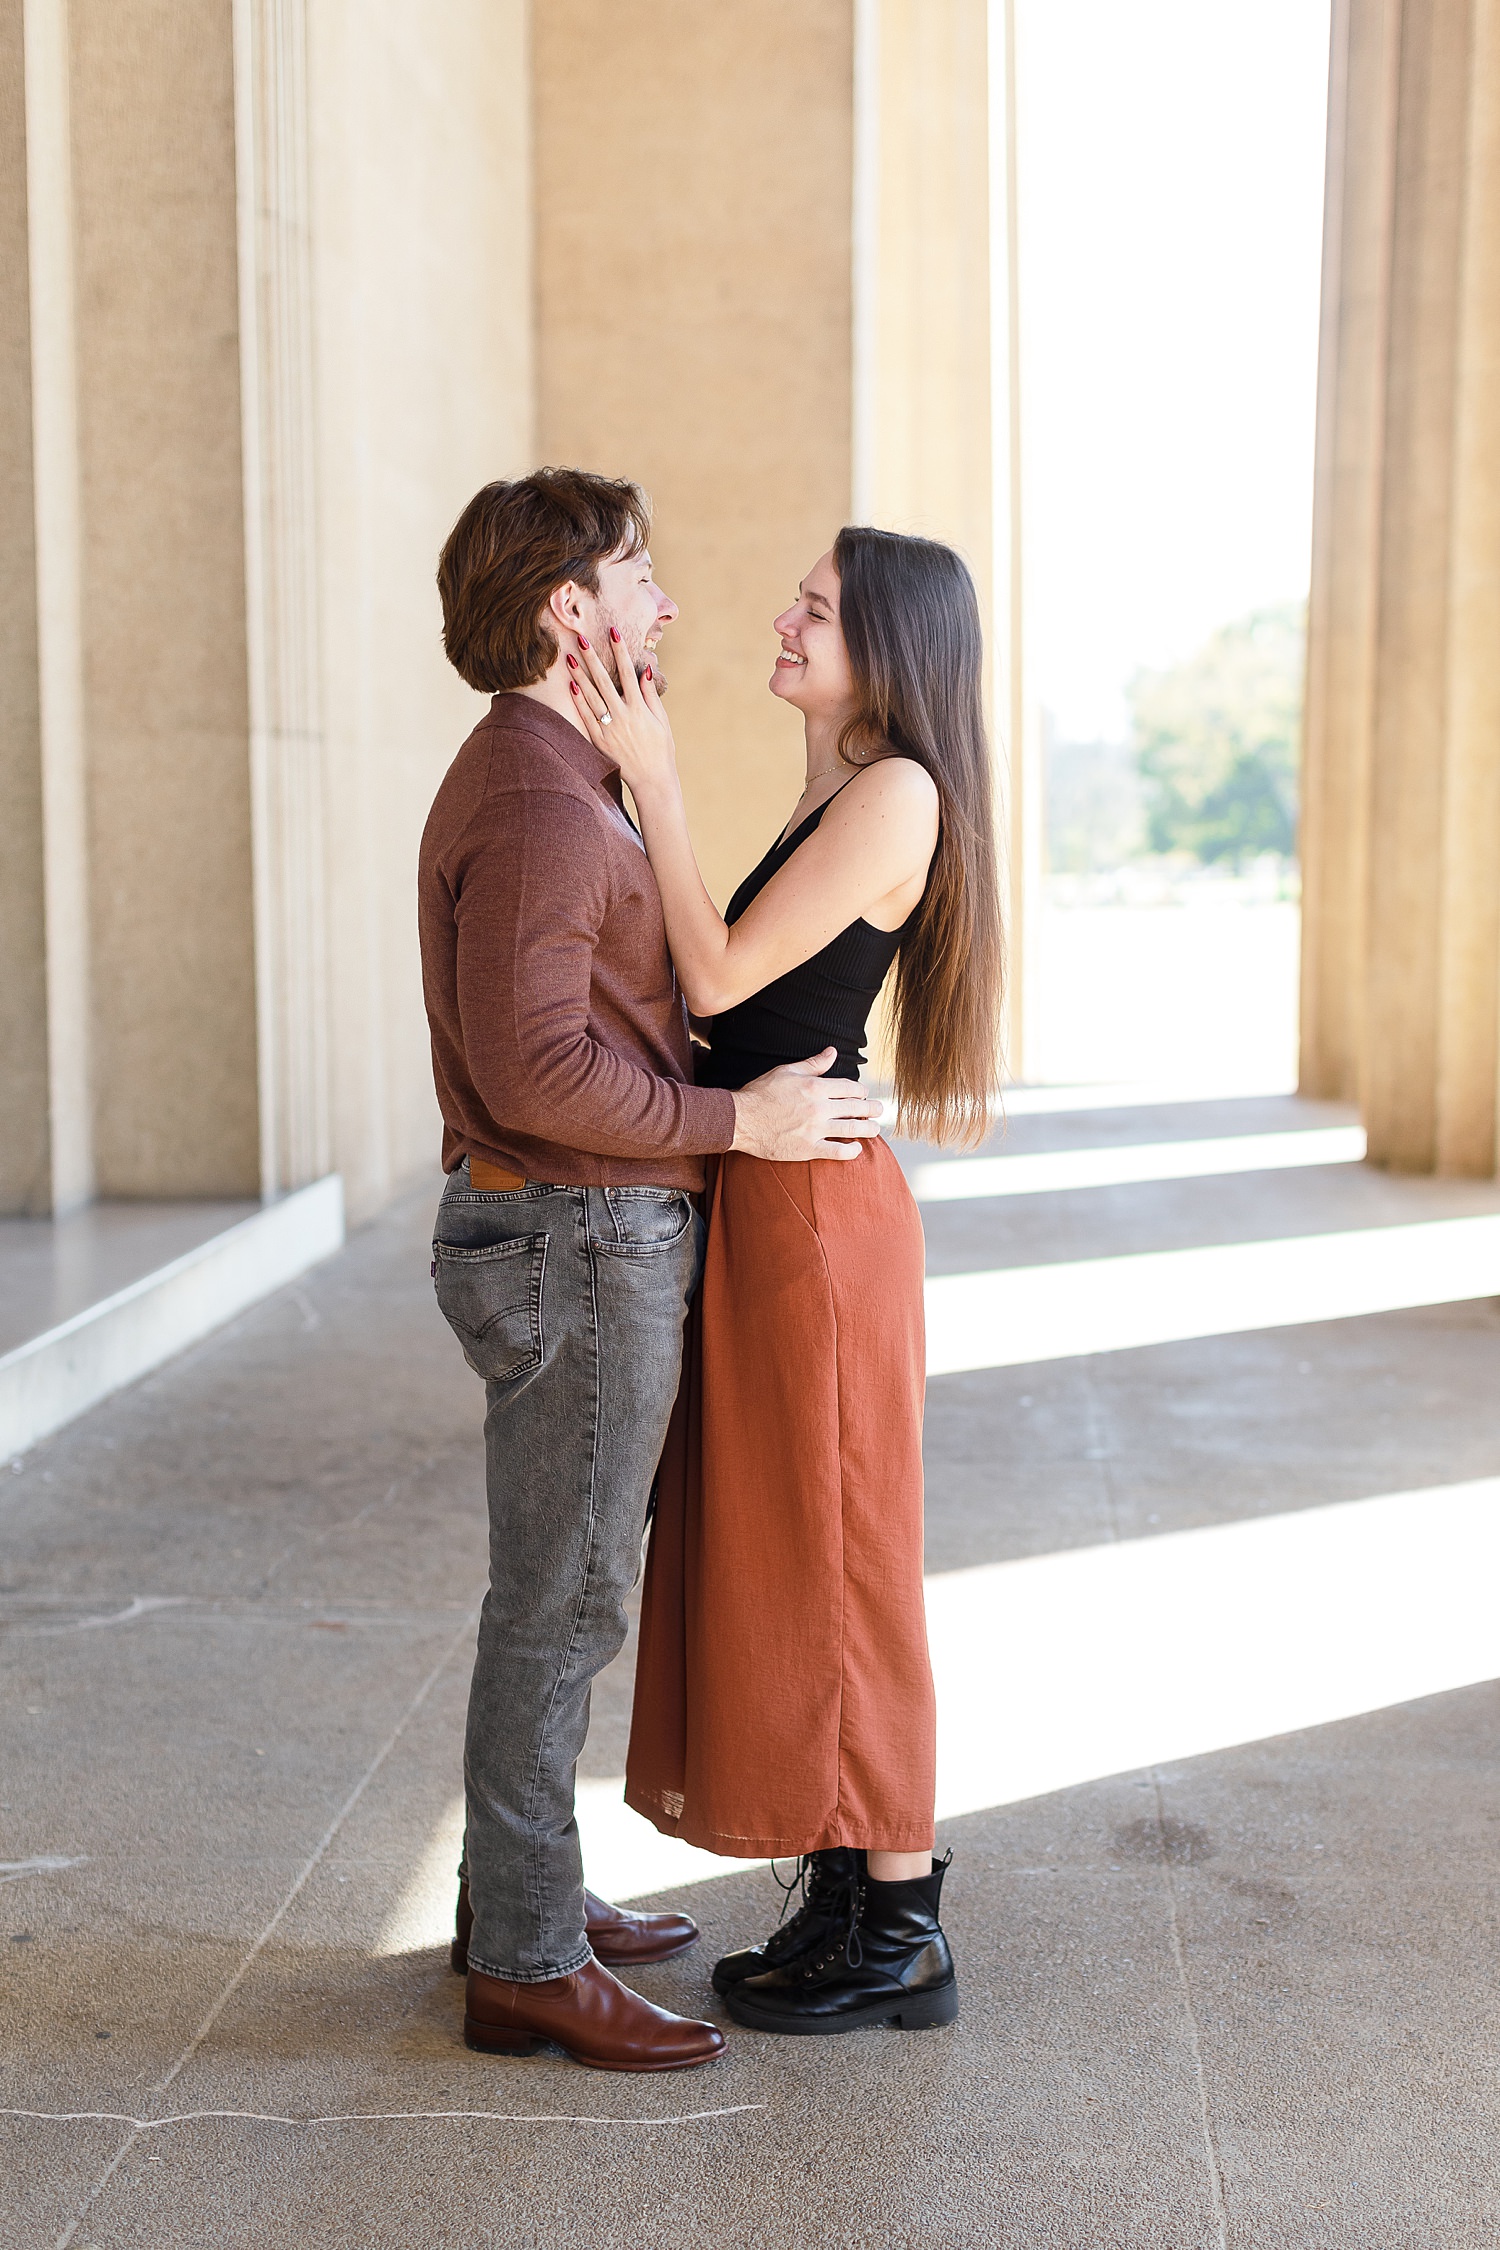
(795, 1114)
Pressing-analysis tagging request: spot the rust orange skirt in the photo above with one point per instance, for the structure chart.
(783, 1698)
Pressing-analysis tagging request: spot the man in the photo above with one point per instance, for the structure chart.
(568, 1244)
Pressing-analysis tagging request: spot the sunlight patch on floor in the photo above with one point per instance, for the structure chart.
(1015, 1315)
(1051, 1170)
(1060, 1669)
(623, 1857)
(1063, 1668)
(423, 1914)
(1138, 1093)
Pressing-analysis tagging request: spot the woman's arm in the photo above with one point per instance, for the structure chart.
(871, 846)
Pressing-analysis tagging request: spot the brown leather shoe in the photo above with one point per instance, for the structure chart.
(591, 2016)
(620, 1939)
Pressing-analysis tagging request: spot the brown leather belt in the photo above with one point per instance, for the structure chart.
(490, 1177)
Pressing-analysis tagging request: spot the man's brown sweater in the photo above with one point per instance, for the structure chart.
(559, 1038)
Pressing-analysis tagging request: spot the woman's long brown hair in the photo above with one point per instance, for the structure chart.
(910, 619)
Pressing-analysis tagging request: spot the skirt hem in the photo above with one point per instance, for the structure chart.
(831, 1835)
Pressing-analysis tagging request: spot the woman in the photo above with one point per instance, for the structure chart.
(783, 1693)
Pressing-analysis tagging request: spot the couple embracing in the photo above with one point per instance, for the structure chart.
(689, 1269)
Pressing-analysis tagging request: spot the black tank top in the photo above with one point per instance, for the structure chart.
(824, 1002)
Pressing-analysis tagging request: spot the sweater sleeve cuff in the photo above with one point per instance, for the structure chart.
(708, 1121)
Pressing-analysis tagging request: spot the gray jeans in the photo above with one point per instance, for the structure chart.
(570, 1303)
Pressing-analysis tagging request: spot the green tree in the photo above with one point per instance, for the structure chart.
(1217, 737)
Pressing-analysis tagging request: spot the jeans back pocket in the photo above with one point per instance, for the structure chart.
(492, 1300)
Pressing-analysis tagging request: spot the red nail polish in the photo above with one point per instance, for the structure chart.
(582, 643)
(572, 663)
(573, 686)
(648, 671)
(614, 636)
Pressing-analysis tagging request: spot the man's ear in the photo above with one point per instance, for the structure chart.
(564, 604)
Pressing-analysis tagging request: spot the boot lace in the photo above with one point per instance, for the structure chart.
(810, 1885)
(788, 1890)
(845, 1905)
(839, 1897)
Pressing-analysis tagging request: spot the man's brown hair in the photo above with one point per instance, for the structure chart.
(511, 546)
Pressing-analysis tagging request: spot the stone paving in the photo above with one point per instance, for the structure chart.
(1242, 2002)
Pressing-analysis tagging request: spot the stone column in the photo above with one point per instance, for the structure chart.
(1468, 1042)
(931, 225)
(265, 271)
(922, 390)
(788, 326)
(25, 1155)
(127, 909)
(281, 588)
(693, 233)
(421, 353)
(419, 145)
(1402, 839)
(46, 1156)
(172, 965)
(1346, 542)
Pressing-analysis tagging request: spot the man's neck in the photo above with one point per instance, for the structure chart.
(552, 689)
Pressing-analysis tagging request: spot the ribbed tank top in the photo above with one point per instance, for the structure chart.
(823, 1002)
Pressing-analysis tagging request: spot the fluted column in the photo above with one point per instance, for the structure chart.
(282, 590)
(801, 338)
(224, 481)
(1469, 953)
(46, 1150)
(708, 352)
(1409, 774)
(162, 573)
(932, 111)
(922, 389)
(1402, 833)
(1342, 610)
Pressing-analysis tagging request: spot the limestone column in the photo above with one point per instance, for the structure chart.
(283, 641)
(1402, 838)
(1346, 542)
(1410, 743)
(933, 223)
(1468, 1038)
(265, 270)
(693, 179)
(419, 165)
(799, 335)
(46, 1155)
(922, 378)
(25, 1154)
(172, 958)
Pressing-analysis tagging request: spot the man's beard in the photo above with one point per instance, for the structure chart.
(640, 656)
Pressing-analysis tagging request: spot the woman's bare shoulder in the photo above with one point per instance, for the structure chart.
(893, 783)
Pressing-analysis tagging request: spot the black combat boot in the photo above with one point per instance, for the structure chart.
(888, 1962)
(828, 1882)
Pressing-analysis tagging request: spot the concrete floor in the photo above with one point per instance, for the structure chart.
(1246, 2000)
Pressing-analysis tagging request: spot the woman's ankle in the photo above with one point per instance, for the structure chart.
(899, 1867)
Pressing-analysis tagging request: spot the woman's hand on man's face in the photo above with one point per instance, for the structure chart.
(624, 719)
